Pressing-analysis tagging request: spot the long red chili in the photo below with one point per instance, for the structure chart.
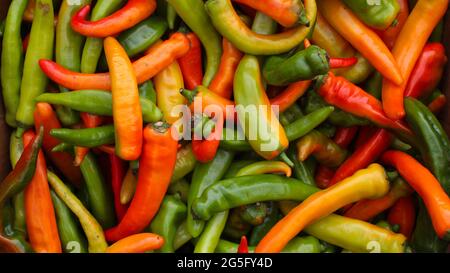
(131, 14)
(117, 174)
(403, 213)
(191, 64)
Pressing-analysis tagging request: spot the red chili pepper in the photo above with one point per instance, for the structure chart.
(131, 14)
(191, 64)
(290, 95)
(243, 245)
(343, 94)
(342, 62)
(365, 133)
(363, 156)
(427, 72)
(323, 176)
(117, 174)
(156, 166)
(389, 36)
(403, 213)
(438, 104)
(46, 117)
(25, 42)
(205, 150)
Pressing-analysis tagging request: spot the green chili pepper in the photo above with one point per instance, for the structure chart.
(397, 144)
(14, 236)
(97, 102)
(68, 51)
(236, 227)
(204, 175)
(15, 151)
(210, 237)
(71, 237)
(92, 229)
(380, 15)
(254, 214)
(263, 24)
(374, 85)
(435, 150)
(182, 236)
(140, 37)
(261, 230)
(64, 147)
(147, 91)
(238, 191)
(306, 124)
(229, 24)
(301, 170)
(12, 59)
(90, 137)
(40, 46)
(236, 166)
(93, 46)
(170, 215)
(314, 101)
(180, 188)
(185, 163)
(100, 198)
(302, 65)
(291, 114)
(194, 15)
(171, 17)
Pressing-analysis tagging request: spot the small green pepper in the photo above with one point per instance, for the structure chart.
(90, 137)
(182, 236)
(270, 220)
(210, 237)
(185, 163)
(254, 214)
(380, 14)
(147, 91)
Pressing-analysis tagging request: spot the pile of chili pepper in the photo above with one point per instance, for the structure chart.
(228, 126)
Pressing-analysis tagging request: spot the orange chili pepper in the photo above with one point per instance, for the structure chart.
(361, 37)
(286, 12)
(156, 166)
(222, 83)
(427, 186)
(39, 212)
(127, 111)
(290, 95)
(438, 104)
(131, 14)
(46, 117)
(407, 49)
(191, 64)
(389, 35)
(138, 243)
(159, 57)
(403, 213)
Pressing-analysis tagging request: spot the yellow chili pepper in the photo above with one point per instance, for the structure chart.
(367, 183)
(168, 84)
(128, 187)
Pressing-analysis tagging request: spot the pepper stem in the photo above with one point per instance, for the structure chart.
(283, 156)
(189, 94)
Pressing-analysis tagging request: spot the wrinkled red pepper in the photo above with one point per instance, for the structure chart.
(117, 174)
(191, 64)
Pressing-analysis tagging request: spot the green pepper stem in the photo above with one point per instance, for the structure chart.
(286, 159)
(189, 94)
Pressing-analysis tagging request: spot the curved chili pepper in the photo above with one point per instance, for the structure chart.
(157, 58)
(90, 121)
(137, 243)
(117, 177)
(342, 62)
(40, 215)
(156, 166)
(263, 167)
(438, 104)
(127, 112)
(403, 213)
(379, 16)
(427, 186)
(427, 71)
(290, 95)
(326, 151)
(191, 64)
(366, 183)
(90, 137)
(364, 155)
(367, 209)
(410, 42)
(390, 34)
(286, 13)
(222, 83)
(229, 24)
(92, 229)
(131, 14)
(341, 93)
(362, 38)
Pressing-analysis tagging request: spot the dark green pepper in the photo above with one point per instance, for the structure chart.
(180, 188)
(90, 137)
(254, 214)
(374, 85)
(306, 64)
(291, 114)
(380, 14)
(140, 37)
(261, 230)
(238, 191)
(301, 170)
(170, 215)
(236, 227)
(147, 91)
(15, 237)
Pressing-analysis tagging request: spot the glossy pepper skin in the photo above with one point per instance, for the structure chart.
(90, 137)
(205, 175)
(303, 65)
(379, 16)
(249, 92)
(194, 15)
(143, 35)
(403, 213)
(169, 217)
(390, 34)
(191, 64)
(131, 14)
(12, 59)
(156, 166)
(427, 72)
(185, 162)
(230, 25)
(40, 46)
(137, 243)
(366, 183)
